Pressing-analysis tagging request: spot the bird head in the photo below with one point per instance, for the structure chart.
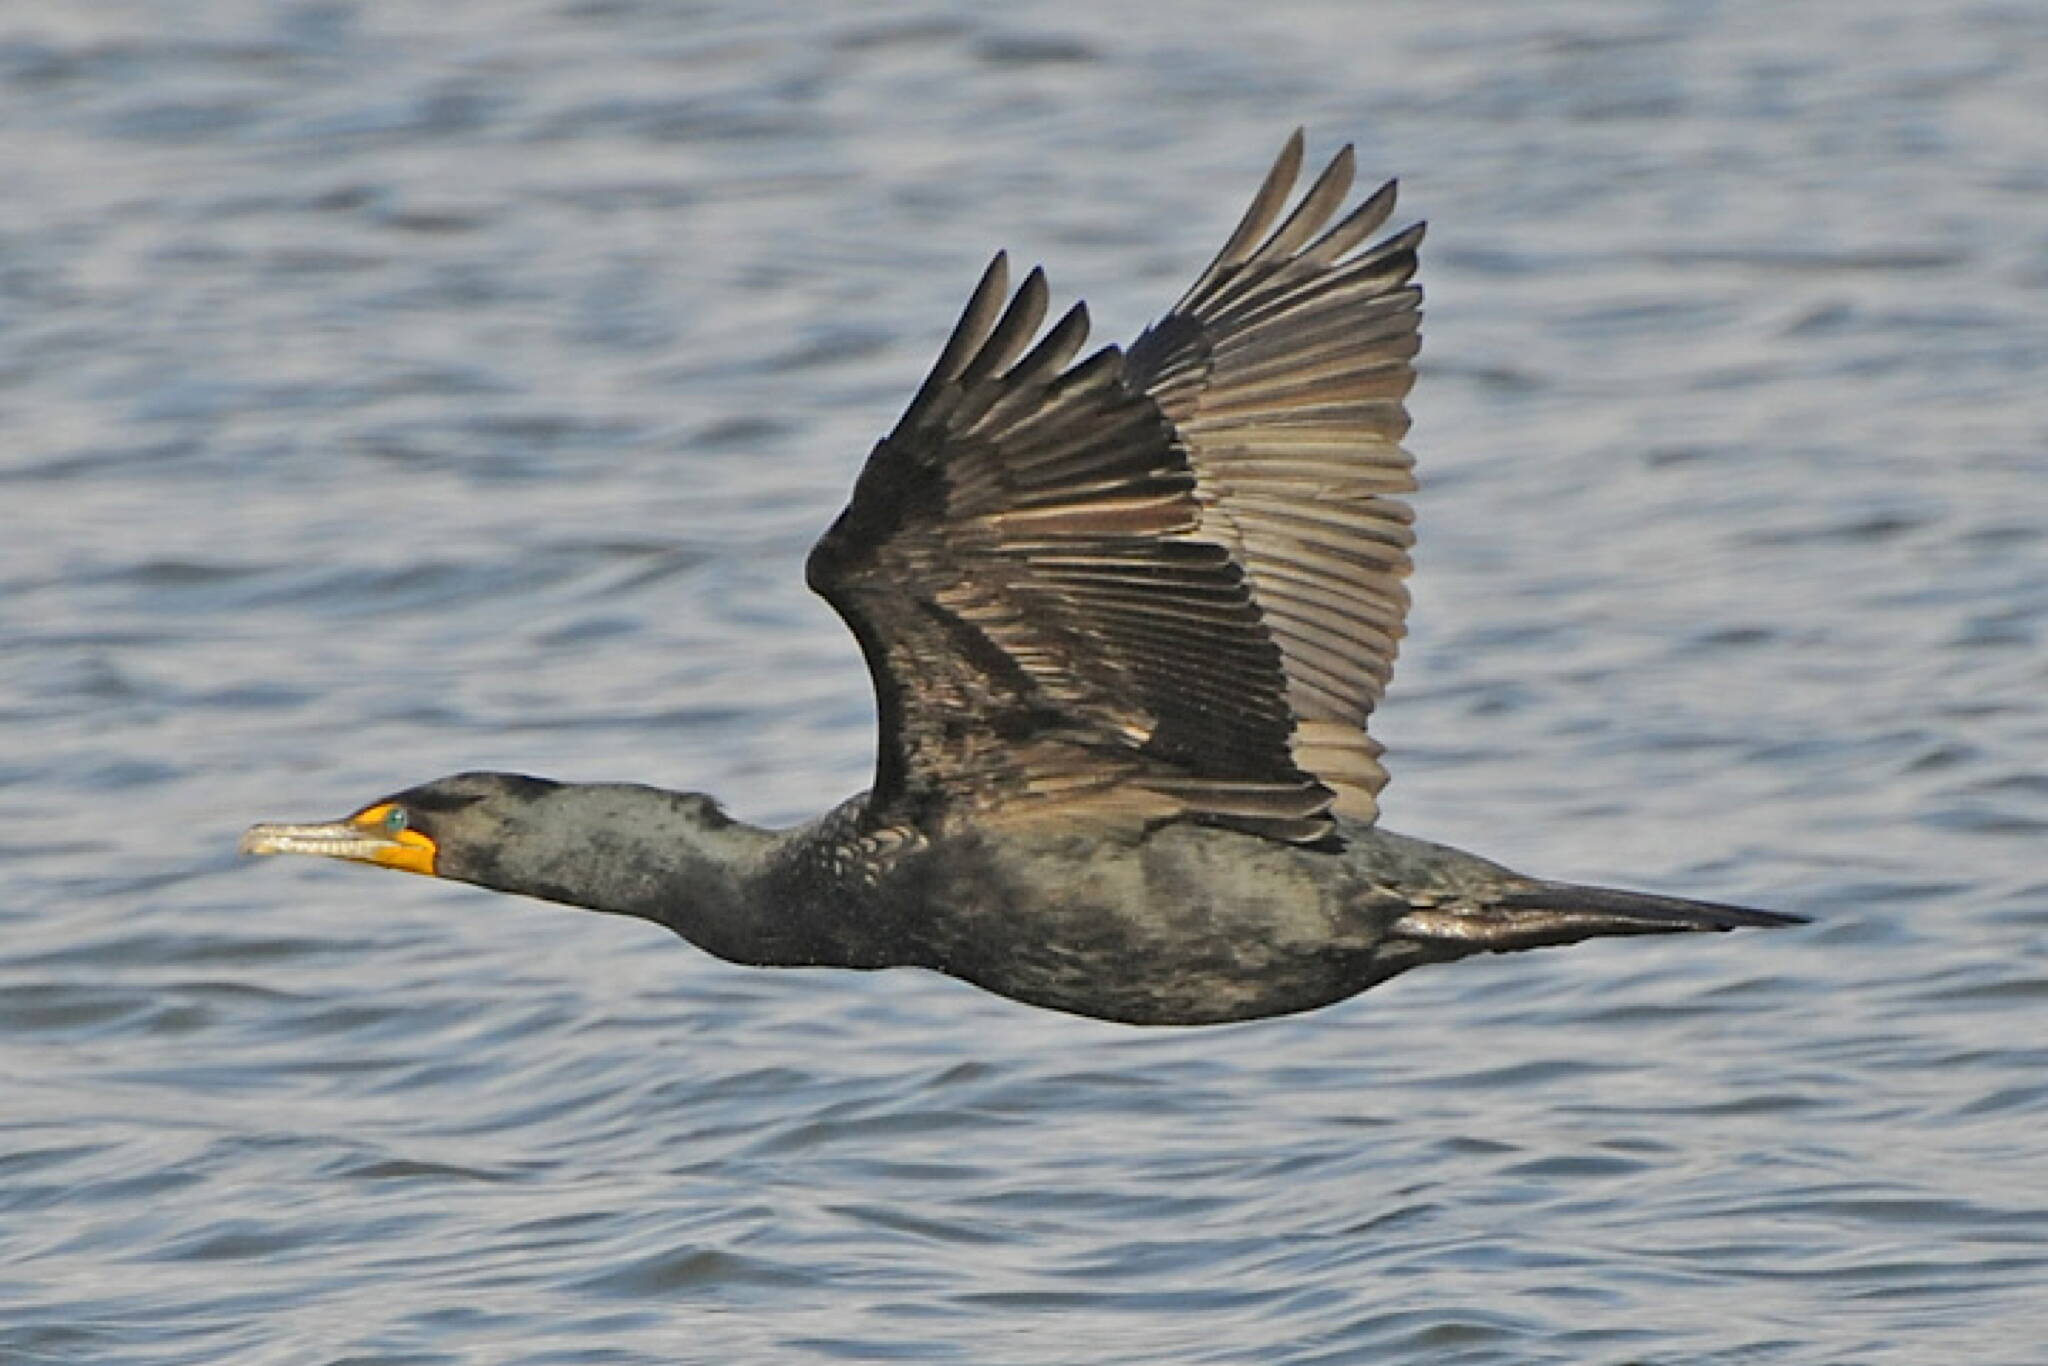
(621, 847)
(445, 828)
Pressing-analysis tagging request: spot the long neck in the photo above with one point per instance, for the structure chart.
(669, 857)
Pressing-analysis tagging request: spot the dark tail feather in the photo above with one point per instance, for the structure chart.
(1655, 913)
(1542, 913)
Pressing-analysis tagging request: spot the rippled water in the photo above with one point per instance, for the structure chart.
(394, 388)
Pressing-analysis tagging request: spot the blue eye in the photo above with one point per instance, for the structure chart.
(394, 820)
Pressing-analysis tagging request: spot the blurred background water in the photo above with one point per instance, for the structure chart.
(393, 388)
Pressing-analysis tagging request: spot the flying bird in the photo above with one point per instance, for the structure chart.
(1126, 618)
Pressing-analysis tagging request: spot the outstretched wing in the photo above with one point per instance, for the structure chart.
(1283, 371)
(1058, 594)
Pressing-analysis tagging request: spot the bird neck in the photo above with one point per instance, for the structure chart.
(670, 857)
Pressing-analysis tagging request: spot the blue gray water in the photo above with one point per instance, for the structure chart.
(394, 388)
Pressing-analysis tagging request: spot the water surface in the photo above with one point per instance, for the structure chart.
(392, 389)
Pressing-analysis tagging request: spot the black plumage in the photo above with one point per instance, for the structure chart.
(1126, 620)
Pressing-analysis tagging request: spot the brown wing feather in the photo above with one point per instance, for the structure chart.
(1283, 370)
(1151, 586)
(1043, 627)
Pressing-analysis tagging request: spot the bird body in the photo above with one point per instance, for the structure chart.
(1126, 619)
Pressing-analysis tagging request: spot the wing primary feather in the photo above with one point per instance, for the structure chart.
(972, 329)
(1018, 324)
(1374, 274)
(1054, 350)
(1108, 361)
(1361, 223)
(1314, 210)
(1265, 206)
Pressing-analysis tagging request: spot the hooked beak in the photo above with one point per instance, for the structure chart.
(362, 838)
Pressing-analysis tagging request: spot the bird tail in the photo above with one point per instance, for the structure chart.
(1537, 914)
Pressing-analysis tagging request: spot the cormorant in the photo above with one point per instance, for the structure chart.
(1126, 620)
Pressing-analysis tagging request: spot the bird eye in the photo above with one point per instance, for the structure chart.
(395, 820)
